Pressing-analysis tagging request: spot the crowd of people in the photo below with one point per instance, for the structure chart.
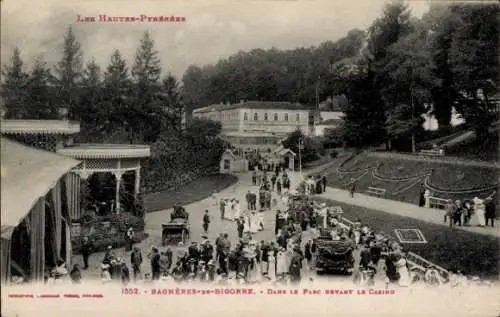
(300, 227)
(476, 211)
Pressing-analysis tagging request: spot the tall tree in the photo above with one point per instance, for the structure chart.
(89, 105)
(69, 72)
(14, 87)
(410, 80)
(118, 102)
(474, 63)
(172, 103)
(40, 99)
(442, 22)
(383, 33)
(146, 73)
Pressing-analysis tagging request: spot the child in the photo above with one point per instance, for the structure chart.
(214, 198)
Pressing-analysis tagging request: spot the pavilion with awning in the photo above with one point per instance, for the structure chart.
(35, 222)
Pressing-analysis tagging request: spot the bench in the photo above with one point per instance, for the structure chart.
(437, 203)
(374, 191)
(431, 152)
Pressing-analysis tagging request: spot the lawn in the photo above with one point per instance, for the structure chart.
(193, 191)
(450, 248)
(444, 176)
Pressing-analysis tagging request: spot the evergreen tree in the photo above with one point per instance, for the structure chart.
(172, 102)
(89, 106)
(146, 73)
(119, 103)
(14, 80)
(69, 72)
(40, 102)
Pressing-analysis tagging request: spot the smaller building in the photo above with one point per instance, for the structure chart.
(282, 157)
(232, 163)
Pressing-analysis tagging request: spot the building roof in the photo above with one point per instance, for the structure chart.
(278, 105)
(280, 151)
(27, 175)
(331, 122)
(106, 151)
(39, 127)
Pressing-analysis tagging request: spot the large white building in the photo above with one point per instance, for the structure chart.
(258, 124)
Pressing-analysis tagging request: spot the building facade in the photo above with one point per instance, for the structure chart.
(258, 125)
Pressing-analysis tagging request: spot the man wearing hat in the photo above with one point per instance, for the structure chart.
(206, 221)
(193, 251)
(155, 263)
(86, 252)
(207, 250)
(109, 255)
(136, 261)
(211, 270)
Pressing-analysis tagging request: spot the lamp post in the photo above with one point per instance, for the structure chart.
(300, 156)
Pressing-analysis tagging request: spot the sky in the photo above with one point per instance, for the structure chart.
(214, 29)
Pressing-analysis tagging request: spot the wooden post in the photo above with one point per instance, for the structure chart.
(137, 187)
(118, 176)
(5, 260)
(56, 198)
(37, 238)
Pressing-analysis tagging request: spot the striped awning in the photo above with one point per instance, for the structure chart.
(27, 175)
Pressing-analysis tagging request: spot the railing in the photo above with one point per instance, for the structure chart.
(431, 152)
(376, 191)
(438, 203)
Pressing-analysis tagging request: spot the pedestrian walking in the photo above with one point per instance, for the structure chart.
(206, 221)
(86, 252)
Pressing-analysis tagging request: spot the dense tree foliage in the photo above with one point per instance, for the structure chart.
(309, 147)
(398, 69)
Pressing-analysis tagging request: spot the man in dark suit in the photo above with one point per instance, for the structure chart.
(86, 252)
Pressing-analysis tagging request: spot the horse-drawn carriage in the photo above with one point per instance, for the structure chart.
(177, 230)
(334, 255)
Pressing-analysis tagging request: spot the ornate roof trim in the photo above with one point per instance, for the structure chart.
(106, 151)
(39, 127)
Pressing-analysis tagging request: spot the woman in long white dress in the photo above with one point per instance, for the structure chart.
(237, 210)
(271, 270)
(254, 220)
(427, 194)
(479, 211)
(404, 274)
(247, 223)
(260, 219)
(228, 210)
(281, 263)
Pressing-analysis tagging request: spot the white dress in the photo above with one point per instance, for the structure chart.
(254, 220)
(237, 211)
(228, 212)
(281, 263)
(247, 224)
(271, 271)
(404, 275)
(479, 211)
(260, 219)
(427, 194)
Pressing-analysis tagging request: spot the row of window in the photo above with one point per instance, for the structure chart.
(266, 118)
